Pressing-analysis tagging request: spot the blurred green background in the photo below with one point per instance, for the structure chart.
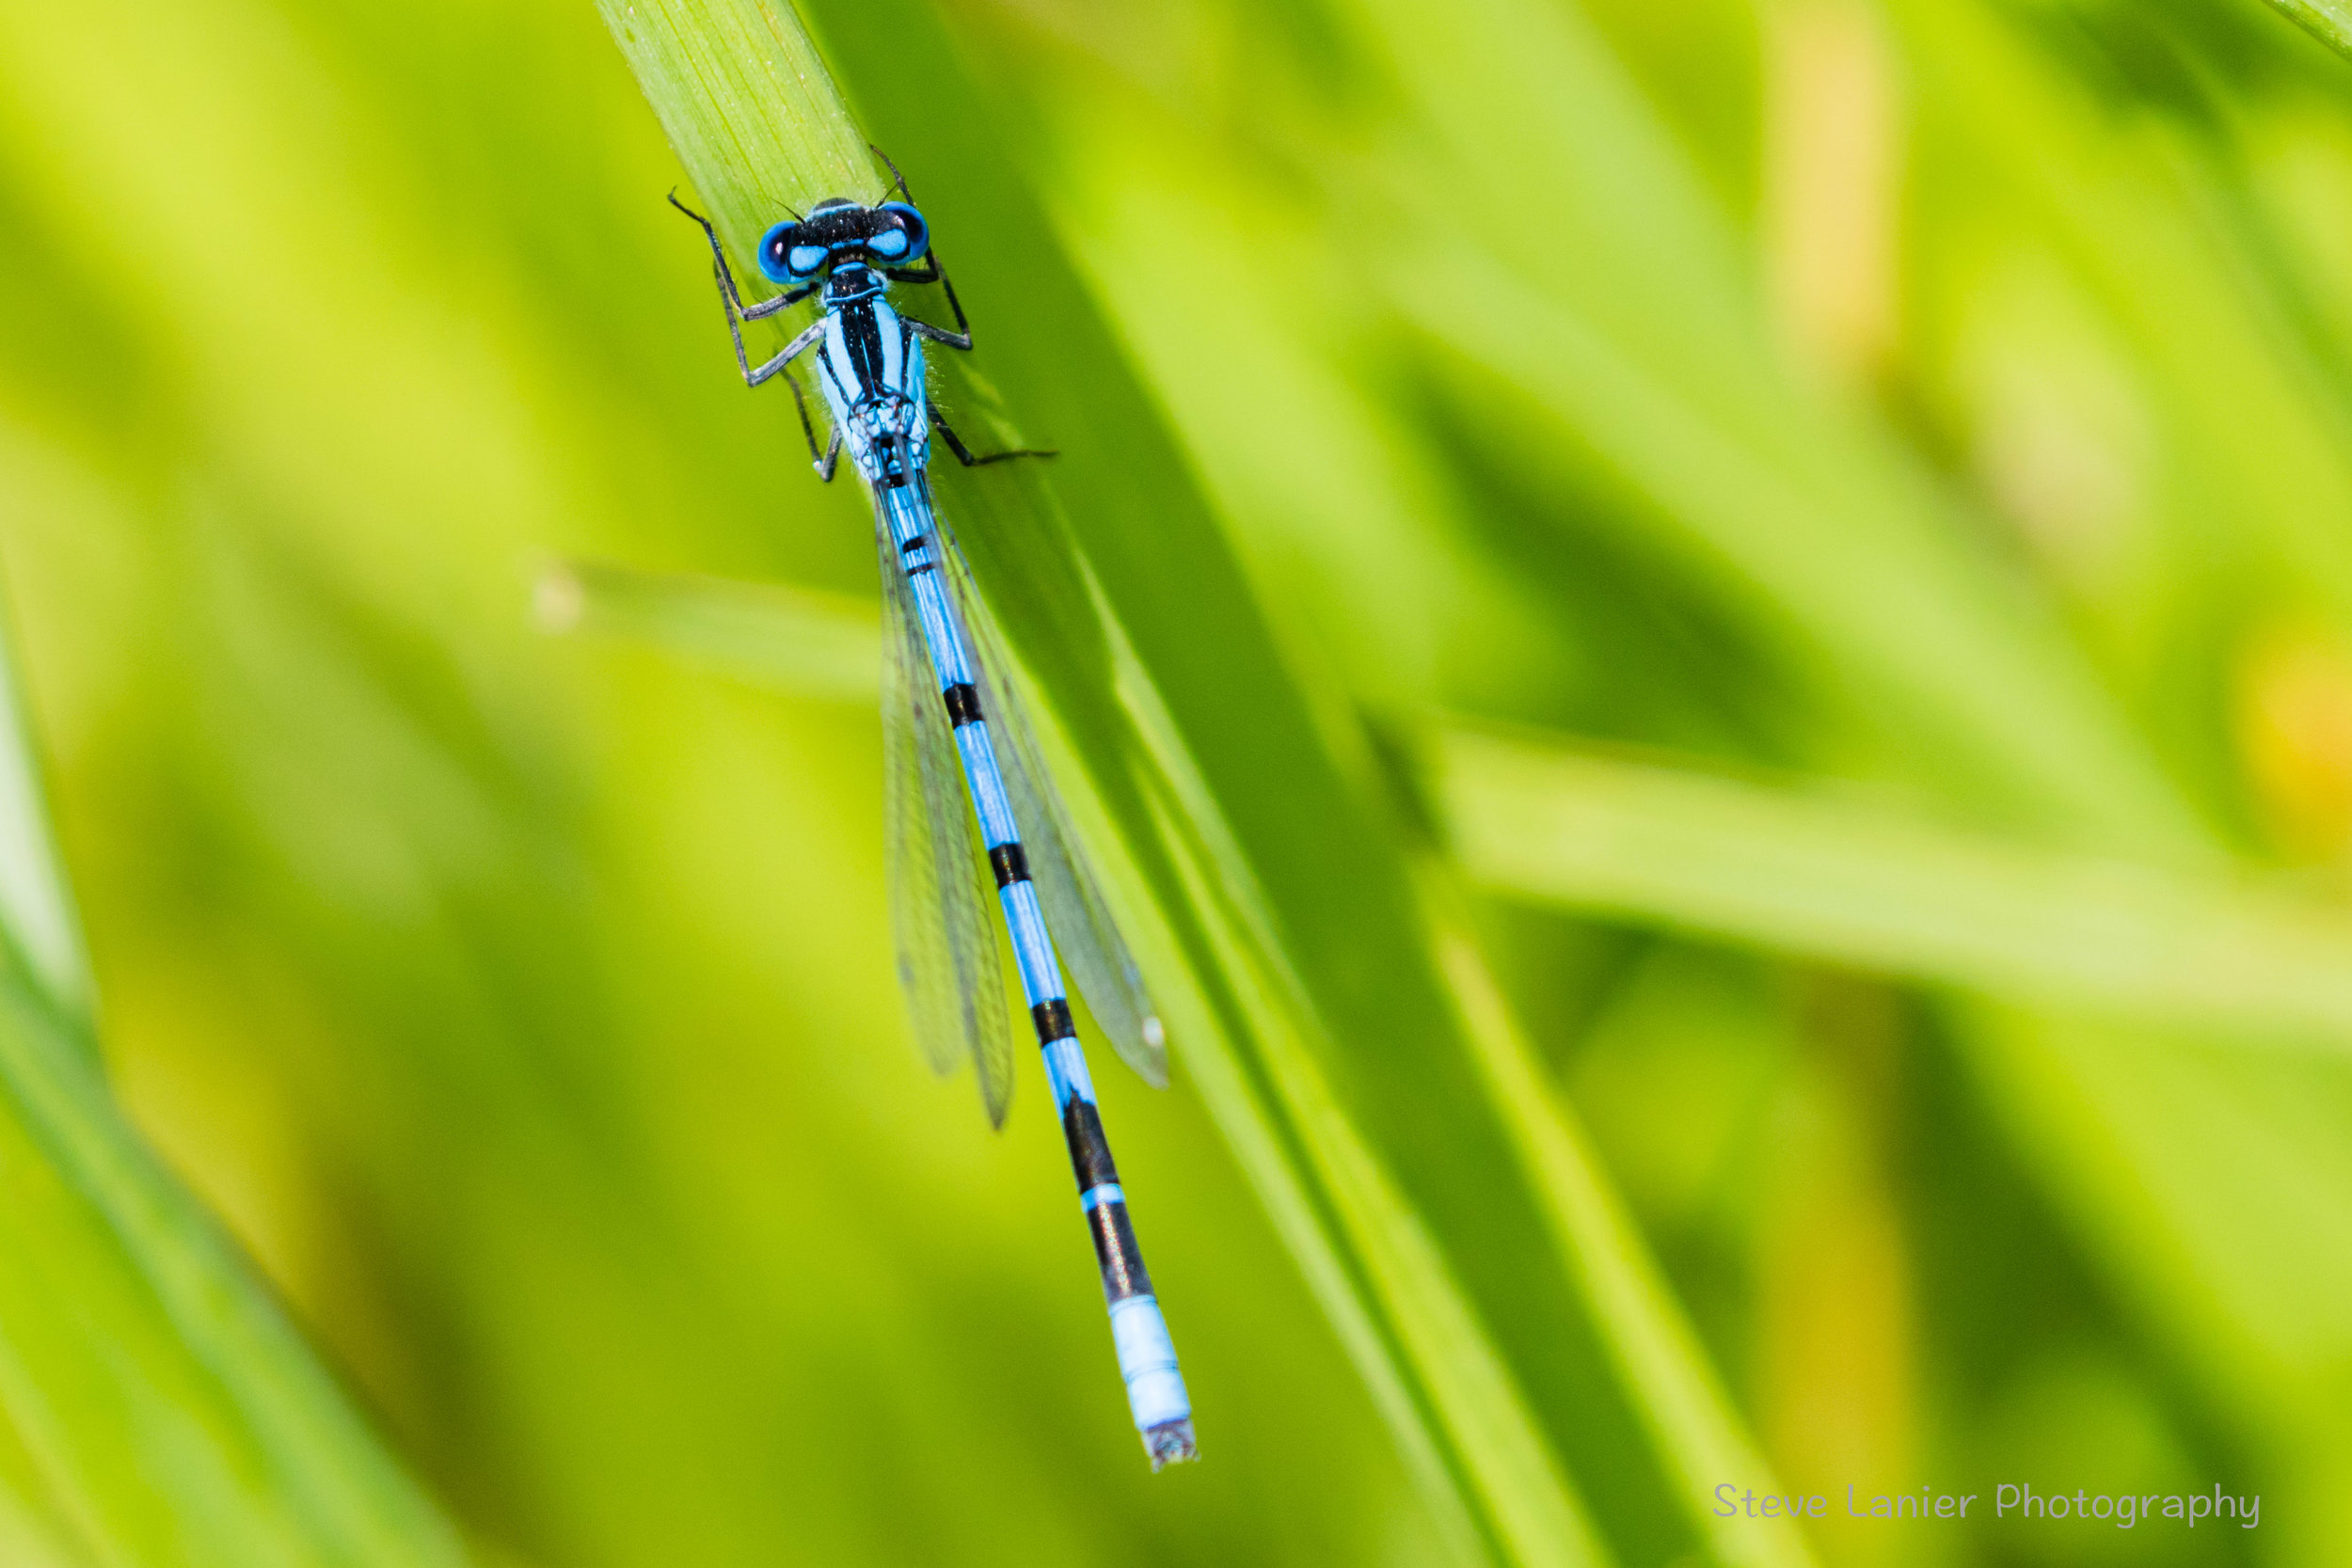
(1944, 405)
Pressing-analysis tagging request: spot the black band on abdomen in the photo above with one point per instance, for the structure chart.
(1089, 1152)
(1115, 1248)
(1052, 1018)
(1009, 865)
(963, 702)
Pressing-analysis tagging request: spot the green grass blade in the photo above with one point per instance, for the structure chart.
(776, 136)
(173, 1413)
(1830, 880)
(37, 917)
(166, 1410)
(819, 645)
(2329, 21)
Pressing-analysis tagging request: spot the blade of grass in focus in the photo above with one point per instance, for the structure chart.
(2329, 21)
(166, 1410)
(1460, 1241)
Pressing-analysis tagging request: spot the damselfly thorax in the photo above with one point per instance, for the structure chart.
(869, 371)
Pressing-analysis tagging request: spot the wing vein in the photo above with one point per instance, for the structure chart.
(949, 964)
(1085, 935)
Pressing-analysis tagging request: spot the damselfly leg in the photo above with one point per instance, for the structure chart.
(963, 453)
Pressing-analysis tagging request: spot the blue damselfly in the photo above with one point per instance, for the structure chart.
(948, 707)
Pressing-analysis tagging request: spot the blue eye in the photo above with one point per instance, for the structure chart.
(910, 226)
(786, 258)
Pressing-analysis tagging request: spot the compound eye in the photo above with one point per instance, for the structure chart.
(911, 228)
(784, 255)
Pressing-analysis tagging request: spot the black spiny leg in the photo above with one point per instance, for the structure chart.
(933, 272)
(963, 453)
(727, 275)
(737, 312)
(828, 455)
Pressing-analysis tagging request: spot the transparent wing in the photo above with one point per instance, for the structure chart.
(1084, 933)
(949, 962)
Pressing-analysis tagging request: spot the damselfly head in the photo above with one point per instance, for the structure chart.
(839, 233)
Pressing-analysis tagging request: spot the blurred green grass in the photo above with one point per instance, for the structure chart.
(1940, 398)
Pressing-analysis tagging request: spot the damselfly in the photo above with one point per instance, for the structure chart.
(948, 706)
